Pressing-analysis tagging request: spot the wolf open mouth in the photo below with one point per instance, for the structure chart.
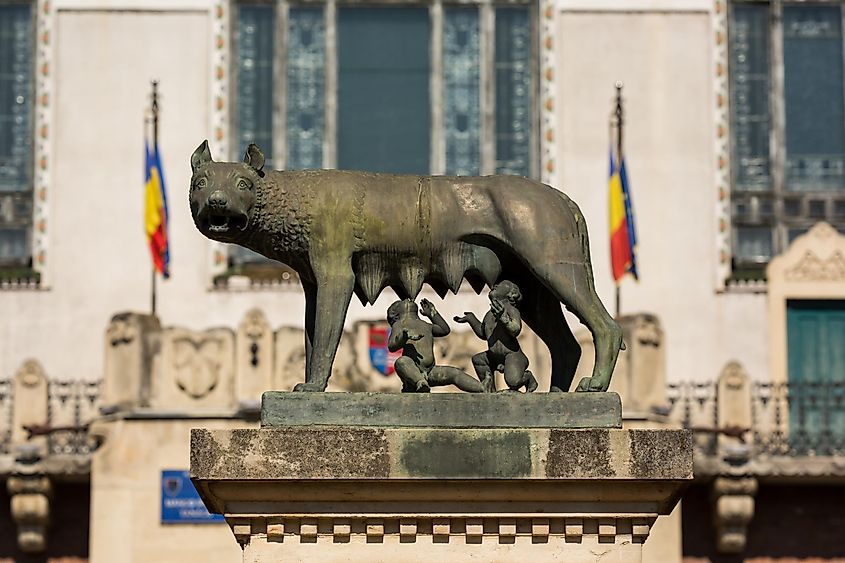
(223, 222)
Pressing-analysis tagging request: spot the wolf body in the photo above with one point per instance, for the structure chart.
(347, 232)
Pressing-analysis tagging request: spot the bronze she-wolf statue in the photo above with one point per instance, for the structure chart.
(349, 232)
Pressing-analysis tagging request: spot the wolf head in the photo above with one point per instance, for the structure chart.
(223, 194)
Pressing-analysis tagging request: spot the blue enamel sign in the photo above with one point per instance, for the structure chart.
(180, 502)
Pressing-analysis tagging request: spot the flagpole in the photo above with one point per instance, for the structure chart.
(619, 122)
(154, 107)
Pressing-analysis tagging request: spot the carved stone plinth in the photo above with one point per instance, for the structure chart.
(390, 493)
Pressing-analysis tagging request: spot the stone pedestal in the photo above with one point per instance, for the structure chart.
(453, 487)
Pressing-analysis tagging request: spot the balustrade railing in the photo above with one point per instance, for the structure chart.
(804, 418)
(788, 419)
(71, 406)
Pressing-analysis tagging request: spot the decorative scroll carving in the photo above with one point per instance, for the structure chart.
(813, 268)
(817, 256)
(30, 507)
(733, 503)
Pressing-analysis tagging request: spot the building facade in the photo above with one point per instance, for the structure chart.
(734, 134)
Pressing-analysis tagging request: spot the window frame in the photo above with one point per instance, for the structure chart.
(12, 270)
(437, 149)
(780, 223)
(437, 156)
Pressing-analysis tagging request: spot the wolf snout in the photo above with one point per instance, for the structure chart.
(218, 200)
(221, 216)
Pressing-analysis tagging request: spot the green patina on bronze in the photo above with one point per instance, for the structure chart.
(348, 233)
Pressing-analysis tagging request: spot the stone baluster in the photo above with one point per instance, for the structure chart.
(732, 494)
(30, 408)
(733, 410)
(27, 486)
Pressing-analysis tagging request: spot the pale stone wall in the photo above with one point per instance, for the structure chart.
(664, 60)
(126, 496)
(104, 57)
(99, 263)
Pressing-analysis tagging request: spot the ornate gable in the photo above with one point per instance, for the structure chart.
(813, 267)
(817, 256)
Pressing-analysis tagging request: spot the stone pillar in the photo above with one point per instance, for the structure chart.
(131, 344)
(733, 494)
(289, 358)
(733, 413)
(640, 372)
(449, 477)
(30, 392)
(254, 362)
(646, 364)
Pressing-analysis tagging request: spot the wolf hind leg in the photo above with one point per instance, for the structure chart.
(572, 284)
(541, 311)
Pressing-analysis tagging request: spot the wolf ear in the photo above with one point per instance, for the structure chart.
(254, 157)
(201, 156)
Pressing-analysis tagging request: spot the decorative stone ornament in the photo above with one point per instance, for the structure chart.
(30, 506)
(30, 388)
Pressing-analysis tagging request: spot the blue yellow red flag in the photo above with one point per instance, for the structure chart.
(629, 220)
(623, 238)
(155, 211)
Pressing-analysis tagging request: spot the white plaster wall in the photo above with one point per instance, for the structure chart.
(99, 261)
(126, 497)
(664, 60)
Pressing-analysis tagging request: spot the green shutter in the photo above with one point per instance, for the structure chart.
(816, 364)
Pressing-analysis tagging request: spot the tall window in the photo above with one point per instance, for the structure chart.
(787, 123)
(417, 88)
(16, 168)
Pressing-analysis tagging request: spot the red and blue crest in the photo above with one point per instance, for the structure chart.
(382, 358)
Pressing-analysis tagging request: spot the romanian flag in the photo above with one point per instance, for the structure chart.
(623, 238)
(155, 211)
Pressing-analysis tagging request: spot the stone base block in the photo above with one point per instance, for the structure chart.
(443, 410)
(358, 493)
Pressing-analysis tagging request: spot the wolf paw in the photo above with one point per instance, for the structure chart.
(531, 382)
(309, 387)
(591, 384)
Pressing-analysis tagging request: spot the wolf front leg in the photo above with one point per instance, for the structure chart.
(330, 302)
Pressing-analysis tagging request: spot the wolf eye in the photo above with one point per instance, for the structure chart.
(244, 184)
(200, 183)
